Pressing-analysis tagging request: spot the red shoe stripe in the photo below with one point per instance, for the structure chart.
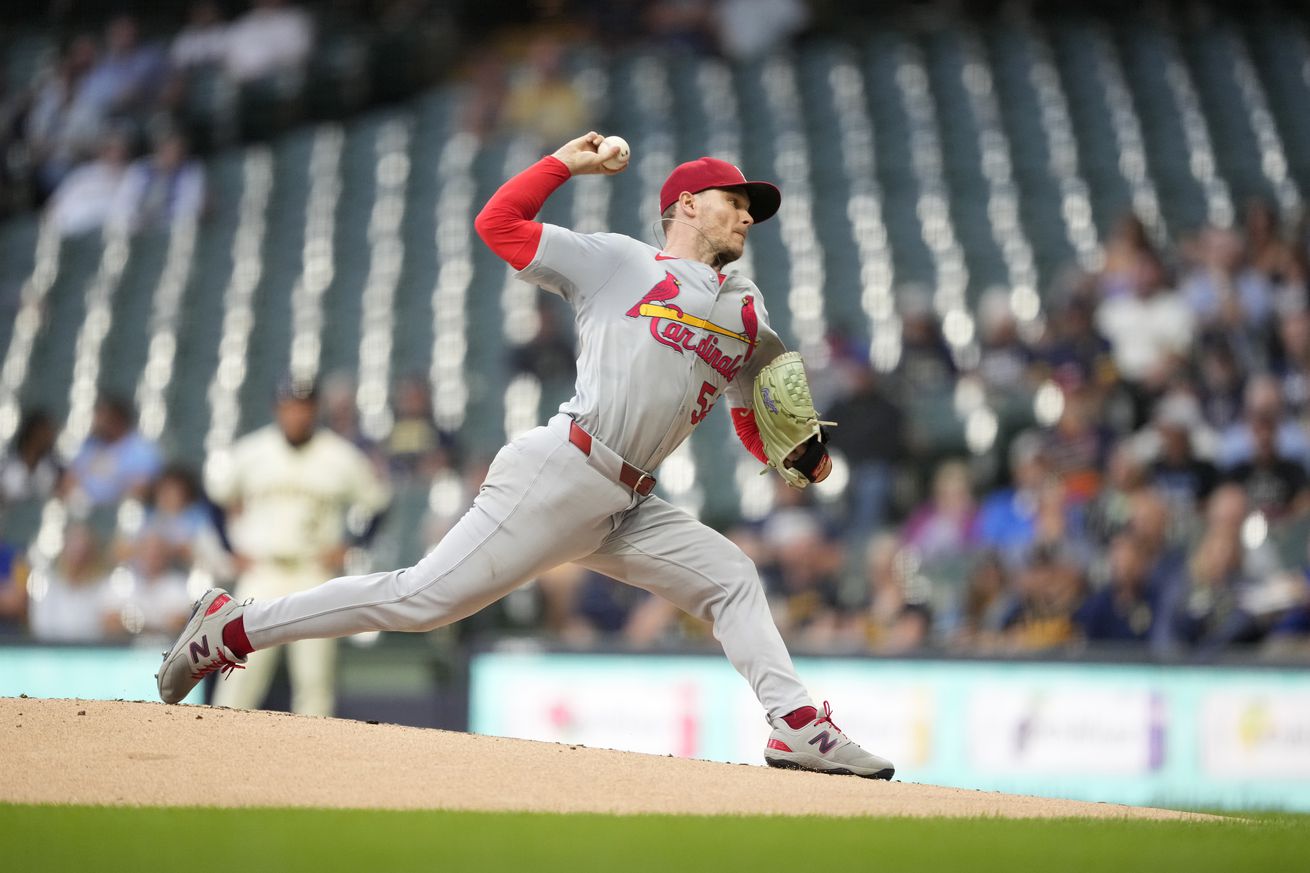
(779, 745)
(217, 604)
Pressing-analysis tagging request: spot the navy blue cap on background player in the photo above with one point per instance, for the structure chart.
(296, 388)
(705, 173)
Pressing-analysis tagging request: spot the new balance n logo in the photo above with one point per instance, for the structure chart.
(825, 741)
(202, 649)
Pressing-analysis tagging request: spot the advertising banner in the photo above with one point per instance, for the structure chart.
(1203, 737)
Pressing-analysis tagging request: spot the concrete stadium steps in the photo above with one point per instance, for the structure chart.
(1010, 50)
(202, 313)
(1074, 52)
(123, 355)
(900, 188)
(268, 354)
(434, 123)
(1209, 50)
(1279, 46)
(17, 258)
(1142, 44)
(961, 147)
(769, 254)
(832, 186)
(51, 369)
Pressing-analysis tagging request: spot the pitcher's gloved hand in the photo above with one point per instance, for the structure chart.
(793, 436)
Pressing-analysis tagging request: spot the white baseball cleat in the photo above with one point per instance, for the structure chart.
(199, 651)
(821, 747)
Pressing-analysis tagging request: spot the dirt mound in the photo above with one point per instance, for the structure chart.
(85, 751)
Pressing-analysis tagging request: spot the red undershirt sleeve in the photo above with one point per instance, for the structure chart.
(505, 223)
(743, 421)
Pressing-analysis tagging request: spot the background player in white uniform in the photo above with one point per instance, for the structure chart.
(662, 335)
(287, 489)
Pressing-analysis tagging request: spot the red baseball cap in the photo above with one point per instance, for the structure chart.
(705, 173)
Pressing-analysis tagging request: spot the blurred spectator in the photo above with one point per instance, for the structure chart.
(1220, 381)
(1224, 291)
(61, 130)
(1007, 517)
(162, 189)
(1071, 347)
(1263, 400)
(1163, 537)
(1275, 485)
(128, 76)
(1149, 330)
(1204, 610)
(1128, 253)
(204, 39)
(116, 461)
(488, 85)
(149, 596)
(1049, 591)
(801, 575)
(581, 605)
(1077, 446)
(69, 599)
(183, 522)
(1005, 359)
(84, 201)
(543, 103)
(550, 355)
(749, 29)
(947, 525)
(1270, 255)
(1292, 629)
(415, 448)
(29, 471)
(926, 367)
(983, 607)
(272, 38)
(1124, 609)
(1111, 508)
(897, 618)
(872, 438)
(13, 590)
(1184, 479)
(578, 605)
(686, 25)
(1292, 366)
(341, 415)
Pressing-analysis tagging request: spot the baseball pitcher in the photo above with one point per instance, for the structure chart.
(662, 336)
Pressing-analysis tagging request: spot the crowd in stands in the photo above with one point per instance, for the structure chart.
(135, 536)
(108, 116)
(1147, 491)
(70, 137)
(1155, 498)
(101, 131)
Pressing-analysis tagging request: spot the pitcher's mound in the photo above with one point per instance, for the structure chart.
(97, 752)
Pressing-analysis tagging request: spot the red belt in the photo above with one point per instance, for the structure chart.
(642, 483)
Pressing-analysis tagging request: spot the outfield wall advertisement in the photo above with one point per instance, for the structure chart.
(1184, 736)
(87, 672)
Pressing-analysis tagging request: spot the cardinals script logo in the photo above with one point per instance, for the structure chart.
(672, 327)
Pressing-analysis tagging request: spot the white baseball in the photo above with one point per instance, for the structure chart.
(620, 160)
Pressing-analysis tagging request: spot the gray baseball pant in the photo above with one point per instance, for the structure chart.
(545, 503)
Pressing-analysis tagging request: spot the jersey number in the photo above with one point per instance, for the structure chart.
(706, 401)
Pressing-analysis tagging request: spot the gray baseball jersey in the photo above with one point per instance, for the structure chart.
(660, 339)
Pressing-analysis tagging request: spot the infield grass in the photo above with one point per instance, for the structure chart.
(137, 839)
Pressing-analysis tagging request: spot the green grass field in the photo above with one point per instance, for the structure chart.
(55, 838)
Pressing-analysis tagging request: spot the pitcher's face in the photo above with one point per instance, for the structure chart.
(724, 218)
